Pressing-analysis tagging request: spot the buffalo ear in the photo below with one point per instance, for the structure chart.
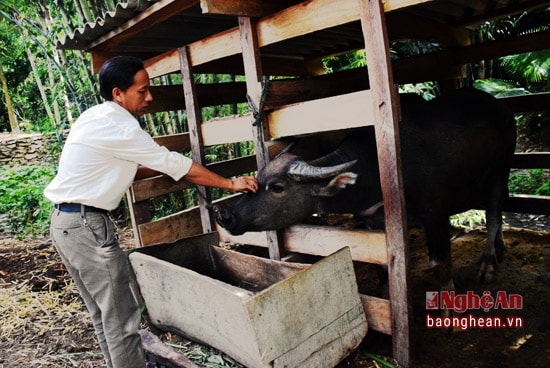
(339, 182)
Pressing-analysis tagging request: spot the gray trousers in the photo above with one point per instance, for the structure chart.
(101, 271)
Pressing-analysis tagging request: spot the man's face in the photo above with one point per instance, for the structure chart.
(137, 97)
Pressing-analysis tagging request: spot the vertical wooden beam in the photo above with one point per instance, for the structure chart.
(255, 86)
(387, 137)
(139, 214)
(194, 120)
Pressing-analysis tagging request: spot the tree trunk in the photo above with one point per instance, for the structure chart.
(40, 86)
(13, 121)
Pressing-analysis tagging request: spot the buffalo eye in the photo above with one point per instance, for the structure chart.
(276, 188)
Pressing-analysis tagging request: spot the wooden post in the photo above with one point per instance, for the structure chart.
(139, 214)
(387, 137)
(194, 120)
(254, 86)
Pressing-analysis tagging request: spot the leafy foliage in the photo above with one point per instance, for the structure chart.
(22, 200)
(533, 181)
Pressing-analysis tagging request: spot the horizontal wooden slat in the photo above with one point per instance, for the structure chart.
(422, 64)
(528, 204)
(156, 186)
(250, 8)
(290, 91)
(340, 112)
(171, 228)
(528, 103)
(175, 142)
(170, 98)
(531, 160)
(160, 185)
(366, 246)
(231, 129)
(378, 313)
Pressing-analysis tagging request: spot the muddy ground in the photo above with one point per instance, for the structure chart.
(44, 323)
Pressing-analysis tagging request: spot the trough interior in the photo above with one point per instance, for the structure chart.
(203, 255)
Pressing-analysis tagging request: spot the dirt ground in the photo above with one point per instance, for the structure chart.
(44, 323)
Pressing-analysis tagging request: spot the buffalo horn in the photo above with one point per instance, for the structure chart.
(302, 171)
(289, 147)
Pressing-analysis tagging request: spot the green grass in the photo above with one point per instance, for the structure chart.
(27, 212)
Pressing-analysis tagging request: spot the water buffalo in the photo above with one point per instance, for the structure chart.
(456, 153)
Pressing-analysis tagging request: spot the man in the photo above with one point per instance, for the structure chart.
(105, 150)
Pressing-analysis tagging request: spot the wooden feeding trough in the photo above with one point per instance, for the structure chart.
(261, 312)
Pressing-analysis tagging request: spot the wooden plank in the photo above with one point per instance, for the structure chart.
(272, 65)
(531, 160)
(473, 53)
(403, 25)
(312, 116)
(175, 142)
(366, 246)
(160, 185)
(528, 204)
(289, 91)
(313, 15)
(171, 228)
(255, 92)
(328, 299)
(378, 313)
(249, 8)
(245, 270)
(330, 345)
(194, 120)
(511, 9)
(241, 269)
(156, 186)
(170, 98)
(386, 105)
(177, 226)
(339, 112)
(230, 129)
(214, 132)
(528, 103)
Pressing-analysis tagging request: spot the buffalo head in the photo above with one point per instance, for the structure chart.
(290, 190)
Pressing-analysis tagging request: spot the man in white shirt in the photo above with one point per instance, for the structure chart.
(105, 151)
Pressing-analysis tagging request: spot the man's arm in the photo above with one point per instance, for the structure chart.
(200, 175)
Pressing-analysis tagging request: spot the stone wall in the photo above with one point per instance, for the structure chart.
(28, 149)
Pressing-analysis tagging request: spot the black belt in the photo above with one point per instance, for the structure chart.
(77, 207)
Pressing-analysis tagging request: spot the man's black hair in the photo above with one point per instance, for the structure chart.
(118, 71)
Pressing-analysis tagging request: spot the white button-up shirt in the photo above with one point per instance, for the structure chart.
(101, 155)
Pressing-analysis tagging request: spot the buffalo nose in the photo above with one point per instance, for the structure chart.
(224, 217)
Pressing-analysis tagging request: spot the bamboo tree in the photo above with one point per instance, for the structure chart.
(40, 86)
(13, 121)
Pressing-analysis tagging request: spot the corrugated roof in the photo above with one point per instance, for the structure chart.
(189, 24)
(91, 31)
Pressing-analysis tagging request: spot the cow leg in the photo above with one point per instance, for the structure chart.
(439, 250)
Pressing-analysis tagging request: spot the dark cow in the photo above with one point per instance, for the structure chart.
(455, 151)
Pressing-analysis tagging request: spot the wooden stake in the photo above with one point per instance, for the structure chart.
(386, 109)
(254, 86)
(194, 120)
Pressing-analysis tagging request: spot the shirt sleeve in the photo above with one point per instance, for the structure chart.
(136, 145)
